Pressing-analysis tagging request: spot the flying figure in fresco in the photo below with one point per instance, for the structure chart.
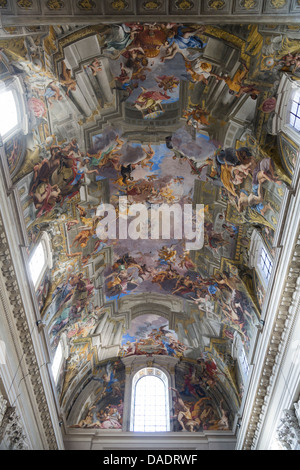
(146, 111)
(149, 101)
(110, 383)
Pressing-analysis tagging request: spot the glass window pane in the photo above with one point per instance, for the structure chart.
(294, 107)
(265, 264)
(57, 361)
(8, 114)
(150, 402)
(294, 114)
(297, 124)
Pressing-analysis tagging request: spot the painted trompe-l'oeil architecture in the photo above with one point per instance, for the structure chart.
(188, 106)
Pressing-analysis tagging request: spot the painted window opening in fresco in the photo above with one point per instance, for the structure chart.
(294, 113)
(150, 401)
(9, 113)
(265, 264)
(37, 262)
(57, 361)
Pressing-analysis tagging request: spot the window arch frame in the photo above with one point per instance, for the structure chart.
(141, 374)
(280, 121)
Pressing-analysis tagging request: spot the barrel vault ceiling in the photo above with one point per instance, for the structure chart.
(160, 111)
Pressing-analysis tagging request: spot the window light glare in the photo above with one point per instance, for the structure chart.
(8, 114)
(150, 404)
(57, 361)
(294, 115)
(37, 262)
(266, 264)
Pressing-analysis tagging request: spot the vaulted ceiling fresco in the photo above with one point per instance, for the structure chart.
(157, 114)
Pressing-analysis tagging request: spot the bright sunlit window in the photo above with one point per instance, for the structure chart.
(57, 361)
(294, 116)
(37, 263)
(265, 264)
(9, 113)
(150, 401)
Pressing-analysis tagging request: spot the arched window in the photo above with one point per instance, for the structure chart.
(9, 114)
(150, 410)
(286, 115)
(13, 115)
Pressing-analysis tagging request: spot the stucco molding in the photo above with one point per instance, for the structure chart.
(288, 431)
(17, 313)
(279, 336)
(11, 430)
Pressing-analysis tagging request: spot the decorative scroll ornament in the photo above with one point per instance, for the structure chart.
(86, 5)
(55, 4)
(216, 4)
(119, 5)
(184, 4)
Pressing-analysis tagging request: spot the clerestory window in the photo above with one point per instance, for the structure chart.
(265, 264)
(294, 113)
(9, 114)
(150, 401)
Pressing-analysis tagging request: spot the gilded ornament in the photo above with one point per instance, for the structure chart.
(86, 5)
(151, 5)
(55, 4)
(119, 5)
(184, 4)
(248, 4)
(24, 3)
(216, 4)
(278, 3)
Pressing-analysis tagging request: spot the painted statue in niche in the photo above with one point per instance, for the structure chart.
(106, 410)
(150, 335)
